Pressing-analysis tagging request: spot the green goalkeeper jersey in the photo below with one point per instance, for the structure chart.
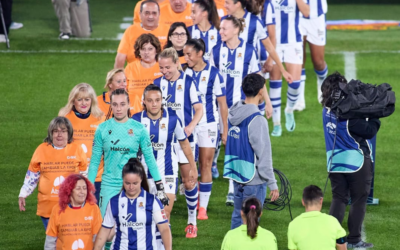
(119, 142)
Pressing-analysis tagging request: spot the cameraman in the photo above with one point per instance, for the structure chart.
(351, 170)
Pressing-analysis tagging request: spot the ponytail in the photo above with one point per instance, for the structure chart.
(247, 5)
(211, 8)
(252, 209)
(197, 44)
(134, 166)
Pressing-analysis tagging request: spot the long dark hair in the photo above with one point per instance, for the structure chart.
(197, 44)
(134, 166)
(252, 209)
(173, 27)
(329, 86)
(117, 92)
(248, 5)
(211, 8)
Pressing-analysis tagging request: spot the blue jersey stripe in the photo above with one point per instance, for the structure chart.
(297, 25)
(149, 218)
(114, 203)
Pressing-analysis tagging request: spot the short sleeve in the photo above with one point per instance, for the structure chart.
(194, 96)
(52, 227)
(179, 130)
(254, 64)
(269, 14)
(218, 88)
(123, 47)
(108, 220)
(340, 230)
(34, 164)
(261, 33)
(97, 220)
(159, 215)
(291, 244)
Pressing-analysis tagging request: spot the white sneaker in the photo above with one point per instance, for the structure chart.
(15, 26)
(64, 36)
(299, 106)
(2, 38)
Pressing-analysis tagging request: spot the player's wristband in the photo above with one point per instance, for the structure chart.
(342, 240)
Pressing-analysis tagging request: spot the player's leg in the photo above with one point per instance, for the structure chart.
(301, 102)
(293, 58)
(106, 193)
(275, 91)
(317, 42)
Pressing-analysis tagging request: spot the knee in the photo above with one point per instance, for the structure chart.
(319, 63)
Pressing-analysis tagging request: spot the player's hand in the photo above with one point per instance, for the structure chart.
(267, 67)
(268, 110)
(274, 195)
(21, 203)
(288, 77)
(224, 137)
(161, 193)
(189, 130)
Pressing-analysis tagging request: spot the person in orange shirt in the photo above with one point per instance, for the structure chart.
(178, 35)
(115, 80)
(55, 159)
(142, 72)
(220, 7)
(176, 11)
(85, 115)
(76, 219)
(150, 14)
(136, 12)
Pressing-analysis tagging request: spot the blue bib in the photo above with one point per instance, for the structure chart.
(240, 160)
(347, 156)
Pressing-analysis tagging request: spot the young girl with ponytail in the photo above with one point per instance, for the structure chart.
(250, 235)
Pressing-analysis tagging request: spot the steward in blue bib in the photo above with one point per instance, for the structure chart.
(347, 157)
(240, 159)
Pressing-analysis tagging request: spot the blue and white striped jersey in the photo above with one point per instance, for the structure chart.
(287, 16)
(317, 8)
(267, 15)
(253, 30)
(135, 220)
(211, 85)
(180, 96)
(234, 65)
(210, 38)
(163, 133)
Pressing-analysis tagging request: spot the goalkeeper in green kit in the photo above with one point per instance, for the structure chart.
(119, 139)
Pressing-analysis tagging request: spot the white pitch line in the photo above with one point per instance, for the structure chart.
(363, 52)
(59, 51)
(124, 26)
(350, 72)
(127, 19)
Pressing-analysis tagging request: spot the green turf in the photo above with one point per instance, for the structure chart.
(36, 86)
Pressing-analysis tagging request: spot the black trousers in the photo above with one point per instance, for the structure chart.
(357, 187)
(6, 6)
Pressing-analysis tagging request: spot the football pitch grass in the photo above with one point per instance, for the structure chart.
(38, 72)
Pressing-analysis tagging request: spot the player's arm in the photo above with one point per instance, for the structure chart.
(268, 104)
(197, 106)
(272, 53)
(166, 237)
(97, 152)
(119, 60)
(303, 7)
(161, 221)
(107, 226)
(341, 246)
(272, 36)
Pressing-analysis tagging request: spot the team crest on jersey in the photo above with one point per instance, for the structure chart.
(130, 132)
(204, 79)
(239, 56)
(212, 38)
(179, 88)
(163, 126)
(141, 205)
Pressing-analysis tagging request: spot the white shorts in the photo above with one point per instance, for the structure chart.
(290, 53)
(181, 156)
(169, 182)
(314, 30)
(207, 135)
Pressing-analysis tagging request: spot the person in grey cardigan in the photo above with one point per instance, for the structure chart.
(248, 157)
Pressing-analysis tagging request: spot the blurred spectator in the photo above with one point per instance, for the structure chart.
(177, 11)
(136, 12)
(178, 35)
(73, 18)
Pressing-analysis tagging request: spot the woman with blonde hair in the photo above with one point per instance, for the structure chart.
(85, 115)
(115, 80)
(142, 72)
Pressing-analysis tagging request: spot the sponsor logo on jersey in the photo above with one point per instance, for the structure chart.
(331, 127)
(122, 150)
(57, 182)
(71, 157)
(234, 132)
(162, 37)
(169, 179)
(188, 17)
(130, 132)
(78, 244)
(93, 126)
(116, 142)
(89, 218)
(158, 74)
(157, 146)
(286, 9)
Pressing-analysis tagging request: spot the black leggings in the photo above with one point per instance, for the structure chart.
(6, 6)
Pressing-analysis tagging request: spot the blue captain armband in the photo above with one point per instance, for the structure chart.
(342, 240)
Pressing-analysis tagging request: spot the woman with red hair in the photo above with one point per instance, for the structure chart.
(76, 220)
